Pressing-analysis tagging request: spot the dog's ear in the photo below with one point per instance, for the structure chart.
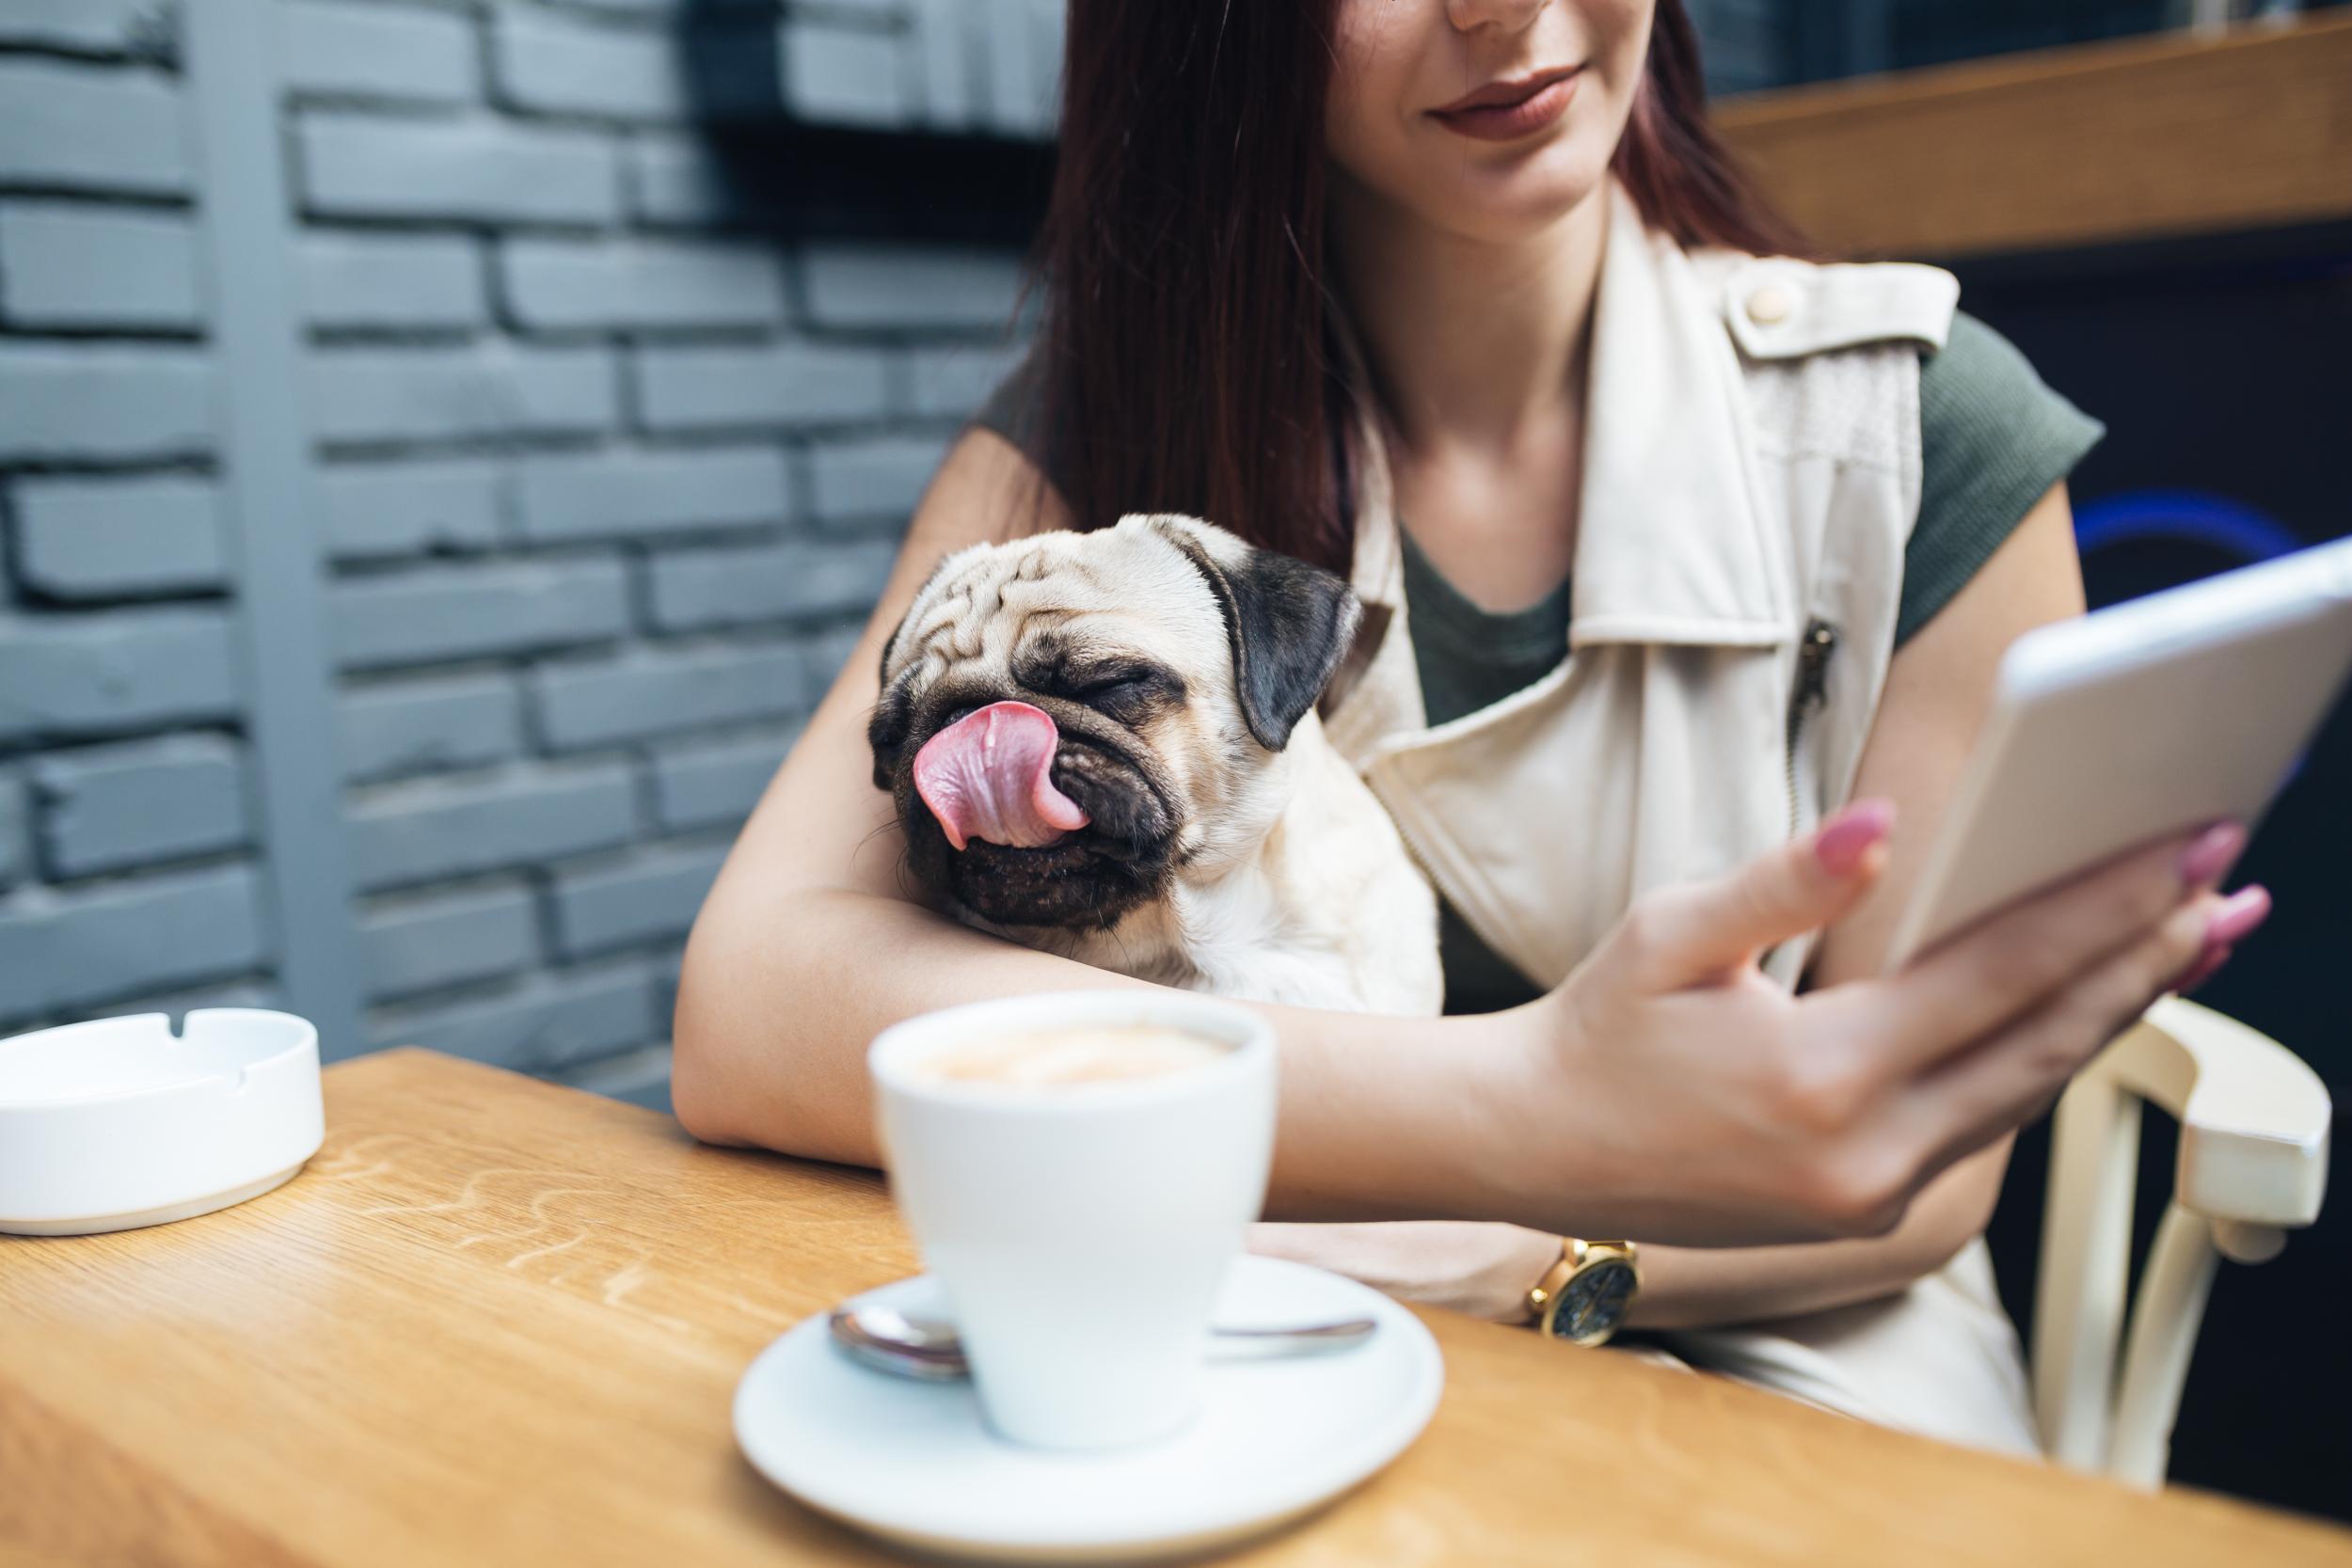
(1289, 624)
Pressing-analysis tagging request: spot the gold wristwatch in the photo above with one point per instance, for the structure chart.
(1584, 1297)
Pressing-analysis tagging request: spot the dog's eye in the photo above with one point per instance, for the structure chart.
(1128, 693)
(1124, 683)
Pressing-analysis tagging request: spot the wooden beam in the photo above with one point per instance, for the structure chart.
(2147, 138)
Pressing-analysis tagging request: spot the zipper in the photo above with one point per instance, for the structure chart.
(1814, 650)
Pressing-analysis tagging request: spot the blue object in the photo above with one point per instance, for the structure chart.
(2230, 527)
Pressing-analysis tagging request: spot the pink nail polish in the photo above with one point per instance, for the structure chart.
(2238, 916)
(2207, 858)
(1841, 843)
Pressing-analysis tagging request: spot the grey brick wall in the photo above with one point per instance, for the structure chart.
(604, 485)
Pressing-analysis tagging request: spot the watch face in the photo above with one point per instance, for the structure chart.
(1594, 1302)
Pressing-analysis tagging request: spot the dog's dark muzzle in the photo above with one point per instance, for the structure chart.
(1086, 880)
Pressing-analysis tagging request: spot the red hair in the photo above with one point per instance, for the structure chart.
(1183, 363)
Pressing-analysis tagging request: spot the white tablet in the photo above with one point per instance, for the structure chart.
(2146, 719)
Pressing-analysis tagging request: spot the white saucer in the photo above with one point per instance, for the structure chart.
(913, 1461)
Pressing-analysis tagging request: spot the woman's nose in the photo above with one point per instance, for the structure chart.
(1509, 15)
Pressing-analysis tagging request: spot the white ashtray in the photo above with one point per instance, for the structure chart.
(120, 1123)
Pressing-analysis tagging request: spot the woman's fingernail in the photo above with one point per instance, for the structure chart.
(1841, 843)
(2209, 857)
(2238, 917)
(2203, 969)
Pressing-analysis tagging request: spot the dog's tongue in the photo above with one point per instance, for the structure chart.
(985, 776)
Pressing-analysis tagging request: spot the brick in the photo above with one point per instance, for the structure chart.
(97, 126)
(75, 401)
(410, 394)
(87, 537)
(438, 828)
(715, 786)
(828, 654)
(109, 807)
(948, 58)
(418, 726)
(420, 942)
(66, 264)
(378, 52)
(449, 612)
(110, 25)
(14, 848)
(550, 285)
(652, 693)
(392, 280)
(639, 1077)
(953, 380)
(899, 286)
(695, 590)
(180, 1001)
(845, 76)
(72, 675)
(675, 182)
(875, 478)
(387, 509)
(478, 171)
(727, 388)
(639, 493)
(652, 897)
(546, 63)
(542, 1026)
(63, 951)
(1021, 39)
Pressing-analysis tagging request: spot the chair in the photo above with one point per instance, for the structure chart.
(2253, 1163)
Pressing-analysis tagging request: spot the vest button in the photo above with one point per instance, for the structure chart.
(1769, 305)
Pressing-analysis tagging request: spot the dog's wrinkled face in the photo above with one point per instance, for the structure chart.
(1067, 718)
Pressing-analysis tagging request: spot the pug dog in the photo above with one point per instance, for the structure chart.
(1103, 745)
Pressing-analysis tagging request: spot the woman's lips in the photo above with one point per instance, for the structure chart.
(1506, 111)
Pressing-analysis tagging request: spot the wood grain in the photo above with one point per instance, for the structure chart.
(497, 1322)
(2154, 137)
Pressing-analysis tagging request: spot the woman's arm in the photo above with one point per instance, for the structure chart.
(1938, 692)
(1665, 1092)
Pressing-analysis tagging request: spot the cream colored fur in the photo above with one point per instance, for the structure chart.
(1290, 883)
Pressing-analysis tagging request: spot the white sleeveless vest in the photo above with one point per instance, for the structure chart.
(1750, 477)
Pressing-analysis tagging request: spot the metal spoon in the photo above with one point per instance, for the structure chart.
(928, 1347)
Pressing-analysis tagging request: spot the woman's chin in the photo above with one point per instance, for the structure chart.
(1503, 205)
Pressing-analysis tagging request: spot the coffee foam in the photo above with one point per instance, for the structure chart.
(1076, 1055)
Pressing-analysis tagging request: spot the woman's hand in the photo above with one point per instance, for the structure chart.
(1812, 1117)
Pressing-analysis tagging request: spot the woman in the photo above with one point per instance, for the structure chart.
(1681, 539)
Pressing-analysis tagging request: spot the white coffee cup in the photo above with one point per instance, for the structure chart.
(1080, 1231)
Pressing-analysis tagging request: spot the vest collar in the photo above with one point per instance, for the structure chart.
(1670, 546)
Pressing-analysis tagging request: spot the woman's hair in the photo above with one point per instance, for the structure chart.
(1185, 364)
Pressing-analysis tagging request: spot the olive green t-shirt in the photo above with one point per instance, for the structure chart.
(1993, 439)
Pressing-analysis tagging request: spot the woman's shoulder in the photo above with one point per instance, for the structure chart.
(1990, 427)
(1993, 438)
(1015, 409)
(1979, 379)
(1783, 310)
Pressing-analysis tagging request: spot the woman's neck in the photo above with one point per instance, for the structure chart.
(1470, 342)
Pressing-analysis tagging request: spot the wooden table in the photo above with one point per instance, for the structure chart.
(499, 1322)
